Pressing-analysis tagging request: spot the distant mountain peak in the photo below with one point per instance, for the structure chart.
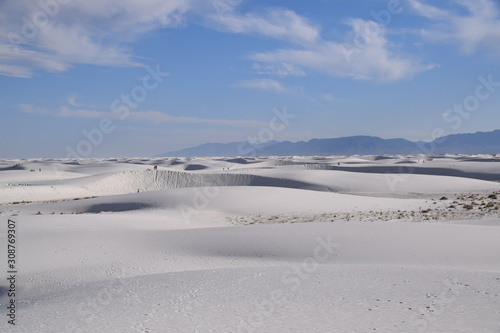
(465, 143)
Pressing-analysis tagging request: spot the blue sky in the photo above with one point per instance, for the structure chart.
(111, 78)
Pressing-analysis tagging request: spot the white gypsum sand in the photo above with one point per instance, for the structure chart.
(260, 244)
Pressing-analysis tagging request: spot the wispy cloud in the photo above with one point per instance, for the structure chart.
(475, 24)
(427, 10)
(65, 111)
(72, 100)
(328, 97)
(278, 69)
(276, 23)
(54, 36)
(377, 60)
(23, 62)
(97, 32)
(144, 116)
(263, 84)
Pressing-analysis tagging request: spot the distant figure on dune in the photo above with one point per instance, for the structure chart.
(156, 173)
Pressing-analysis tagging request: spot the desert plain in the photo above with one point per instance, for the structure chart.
(389, 243)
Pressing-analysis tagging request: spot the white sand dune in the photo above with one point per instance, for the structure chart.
(261, 244)
(136, 181)
(221, 279)
(75, 181)
(353, 182)
(253, 200)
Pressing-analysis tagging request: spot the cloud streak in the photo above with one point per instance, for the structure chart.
(478, 27)
(262, 84)
(144, 116)
(280, 24)
(377, 59)
(55, 35)
(373, 61)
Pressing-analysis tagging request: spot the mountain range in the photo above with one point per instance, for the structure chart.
(470, 143)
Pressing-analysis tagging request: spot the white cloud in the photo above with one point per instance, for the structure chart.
(428, 11)
(15, 71)
(276, 23)
(264, 84)
(328, 97)
(64, 111)
(145, 116)
(72, 100)
(39, 38)
(366, 53)
(22, 62)
(278, 69)
(35, 36)
(479, 27)
(368, 56)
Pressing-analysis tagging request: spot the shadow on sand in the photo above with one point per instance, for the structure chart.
(117, 207)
